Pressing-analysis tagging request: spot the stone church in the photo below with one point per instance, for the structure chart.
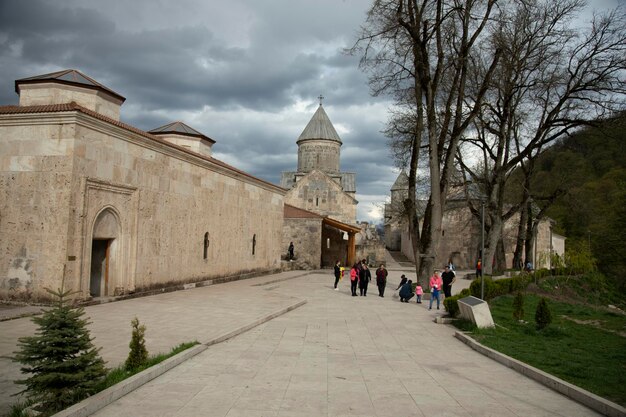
(461, 239)
(320, 206)
(319, 185)
(110, 209)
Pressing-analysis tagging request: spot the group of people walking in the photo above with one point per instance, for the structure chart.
(360, 276)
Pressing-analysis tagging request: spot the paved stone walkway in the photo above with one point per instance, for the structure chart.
(335, 356)
(171, 318)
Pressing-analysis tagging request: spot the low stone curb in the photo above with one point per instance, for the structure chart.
(593, 401)
(303, 274)
(100, 400)
(255, 323)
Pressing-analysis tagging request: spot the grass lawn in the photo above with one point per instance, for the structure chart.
(584, 345)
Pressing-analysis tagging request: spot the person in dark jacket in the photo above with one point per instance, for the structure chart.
(290, 251)
(381, 280)
(402, 282)
(406, 292)
(337, 274)
(448, 277)
(364, 278)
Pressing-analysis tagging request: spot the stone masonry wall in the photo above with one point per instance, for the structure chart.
(318, 193)
(60, 172)
(305, 235)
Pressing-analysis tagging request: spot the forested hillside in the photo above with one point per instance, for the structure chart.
(590, 166)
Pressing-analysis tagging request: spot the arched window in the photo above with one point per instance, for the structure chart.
(206, 245)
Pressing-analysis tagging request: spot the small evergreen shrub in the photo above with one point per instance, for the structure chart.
(543, 316)
(489, 288)
(63, 365)
(138, 354)
(451, 303)
(518, 306)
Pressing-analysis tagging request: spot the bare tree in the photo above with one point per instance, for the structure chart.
(419, 52)
(551, 80)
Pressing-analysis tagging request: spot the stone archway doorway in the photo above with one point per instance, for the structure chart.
(103, 254)
(100, 257)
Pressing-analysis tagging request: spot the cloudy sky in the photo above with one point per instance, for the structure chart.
(244, 72)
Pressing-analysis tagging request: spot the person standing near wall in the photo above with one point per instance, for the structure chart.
(479, 268)
(337, 274)
(448, 277)
(290, 251)
(381, 280)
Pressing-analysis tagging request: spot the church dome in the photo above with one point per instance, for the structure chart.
(319, 145)
(319, 127)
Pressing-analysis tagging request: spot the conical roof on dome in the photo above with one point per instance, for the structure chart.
(402, 182)
(319, 127)
(179, 128)
(68, 76)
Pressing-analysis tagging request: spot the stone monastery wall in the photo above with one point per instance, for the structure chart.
(79, 194)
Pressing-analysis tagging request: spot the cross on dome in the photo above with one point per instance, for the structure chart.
(321, 97)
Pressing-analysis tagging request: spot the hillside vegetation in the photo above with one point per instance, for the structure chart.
(590, 166)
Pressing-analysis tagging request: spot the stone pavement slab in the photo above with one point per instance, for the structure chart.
(343, 356)
(171, 318)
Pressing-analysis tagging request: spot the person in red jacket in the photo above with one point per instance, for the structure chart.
(381, 280)
(436, 283)
(354, 278)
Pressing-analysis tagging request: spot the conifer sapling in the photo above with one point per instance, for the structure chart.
(543, 317)
(63, 365)
(138, 354)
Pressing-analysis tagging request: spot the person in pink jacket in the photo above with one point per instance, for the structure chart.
(435, 283)
(418, 292)
(354, 279)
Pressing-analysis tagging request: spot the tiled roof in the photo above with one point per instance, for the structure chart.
(58, 108)
(180, 128)
(320, 127)
(291, 212)
(69, 76)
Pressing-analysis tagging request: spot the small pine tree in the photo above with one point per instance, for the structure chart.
(518, 306)
(63, 364)
(138, 354)
(543, 317)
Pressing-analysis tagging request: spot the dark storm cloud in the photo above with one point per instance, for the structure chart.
(236, 71)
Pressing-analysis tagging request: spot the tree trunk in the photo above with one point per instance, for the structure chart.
(518, 262)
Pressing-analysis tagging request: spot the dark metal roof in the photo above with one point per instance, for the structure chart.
(70, 77)
(319, 127)
(179, 128)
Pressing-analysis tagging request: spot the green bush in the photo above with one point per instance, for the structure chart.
(543, 316)
(138, 354)
(451, 303)
(500, 287)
